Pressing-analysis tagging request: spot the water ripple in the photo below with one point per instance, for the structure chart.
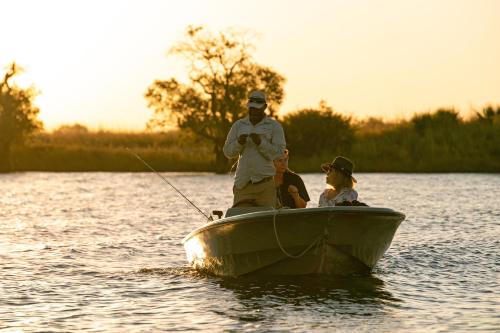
(101, 252)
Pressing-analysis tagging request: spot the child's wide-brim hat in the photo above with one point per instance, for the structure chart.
(341, 164)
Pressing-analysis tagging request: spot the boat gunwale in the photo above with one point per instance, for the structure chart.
(250, 217)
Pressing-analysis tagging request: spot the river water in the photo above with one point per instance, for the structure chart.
(102, 252)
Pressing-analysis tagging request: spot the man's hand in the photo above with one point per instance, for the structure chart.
(242, 139)
(255, 138)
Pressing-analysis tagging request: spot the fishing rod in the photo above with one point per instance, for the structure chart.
(169, 183)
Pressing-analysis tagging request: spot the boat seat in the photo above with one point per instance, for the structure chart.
(245, 210)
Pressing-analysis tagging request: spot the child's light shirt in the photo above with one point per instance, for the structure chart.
(346, 194)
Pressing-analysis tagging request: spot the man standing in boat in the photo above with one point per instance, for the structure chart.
(256, 140)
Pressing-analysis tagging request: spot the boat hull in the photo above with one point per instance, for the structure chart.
(327, 240)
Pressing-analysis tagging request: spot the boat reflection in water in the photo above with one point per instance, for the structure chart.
(325, 241)
(307, 290)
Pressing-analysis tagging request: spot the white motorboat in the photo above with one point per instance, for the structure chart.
(326, 240)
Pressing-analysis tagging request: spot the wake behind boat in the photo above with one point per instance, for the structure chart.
(326, 240)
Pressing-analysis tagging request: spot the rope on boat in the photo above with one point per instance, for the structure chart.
(317, 241)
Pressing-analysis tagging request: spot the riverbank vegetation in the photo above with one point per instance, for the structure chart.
(438, 141)
(222, 73)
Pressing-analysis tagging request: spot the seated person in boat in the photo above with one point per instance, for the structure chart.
(339, 176)
(290, 189)
(256, 141)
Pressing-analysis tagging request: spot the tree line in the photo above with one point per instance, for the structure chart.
(221, 74)
(438, 141)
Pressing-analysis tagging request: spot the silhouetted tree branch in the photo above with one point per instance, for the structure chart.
(18, 115)
(221, 74)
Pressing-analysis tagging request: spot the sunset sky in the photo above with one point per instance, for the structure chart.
(93, 60)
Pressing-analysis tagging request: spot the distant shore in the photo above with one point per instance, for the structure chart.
(473, 149)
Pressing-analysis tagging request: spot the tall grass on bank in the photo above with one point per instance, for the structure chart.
(437, 142)
(432, 142)
(83, 150)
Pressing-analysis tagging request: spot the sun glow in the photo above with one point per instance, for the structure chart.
(93, 60)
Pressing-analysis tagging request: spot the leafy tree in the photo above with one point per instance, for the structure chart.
(221, 75)
(18, 115)
(310, 132)
(442, 120)
(488, 114)
(72, 129)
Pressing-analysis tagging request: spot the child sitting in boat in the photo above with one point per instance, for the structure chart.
(339, 176)
(290, 189)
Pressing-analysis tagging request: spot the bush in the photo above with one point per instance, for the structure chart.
(310, 132)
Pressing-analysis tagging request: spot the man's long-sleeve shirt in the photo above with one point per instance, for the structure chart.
(255, 162)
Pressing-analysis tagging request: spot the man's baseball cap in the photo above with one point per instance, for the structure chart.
(257, 99)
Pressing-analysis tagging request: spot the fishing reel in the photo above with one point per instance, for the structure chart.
(218, 213)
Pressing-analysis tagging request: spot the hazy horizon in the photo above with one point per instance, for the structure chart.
(92, 61)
